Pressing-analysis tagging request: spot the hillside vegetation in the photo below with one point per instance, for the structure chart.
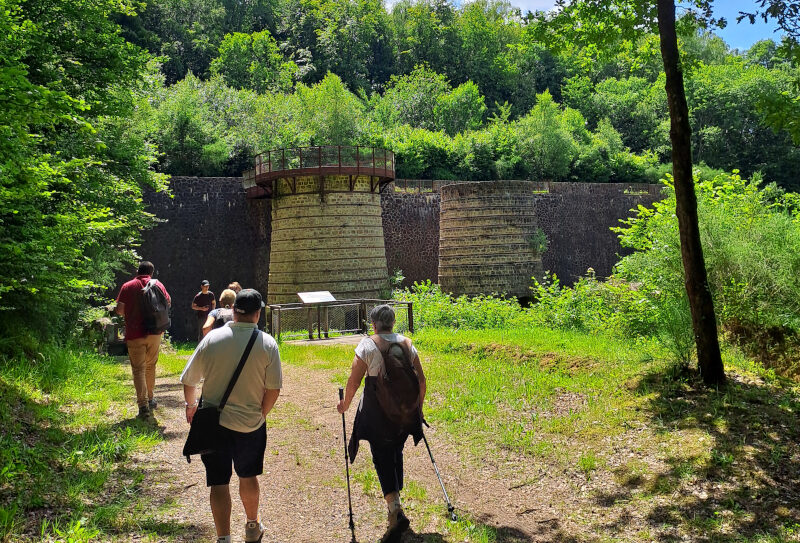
(471, 91)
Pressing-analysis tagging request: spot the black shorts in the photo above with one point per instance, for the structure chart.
(244, 450)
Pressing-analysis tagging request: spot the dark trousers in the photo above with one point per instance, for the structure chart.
(388, 462)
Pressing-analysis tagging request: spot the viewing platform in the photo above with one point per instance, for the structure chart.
(318, 161)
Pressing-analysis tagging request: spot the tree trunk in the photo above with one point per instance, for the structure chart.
(704, 321)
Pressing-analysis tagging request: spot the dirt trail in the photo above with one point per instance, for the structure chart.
(304, 496)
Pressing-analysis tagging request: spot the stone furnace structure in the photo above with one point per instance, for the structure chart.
(489, 238)
(327, 231)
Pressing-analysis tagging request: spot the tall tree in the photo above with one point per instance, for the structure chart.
(704, 320)
(72, 160)
(605, 24)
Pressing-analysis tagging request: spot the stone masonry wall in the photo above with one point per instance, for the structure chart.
(411, 234)
(575, 217)
(210, 231)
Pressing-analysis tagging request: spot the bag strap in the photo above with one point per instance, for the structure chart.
(378, 341)
(236, 373)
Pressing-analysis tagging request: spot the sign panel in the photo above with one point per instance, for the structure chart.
(316, 297)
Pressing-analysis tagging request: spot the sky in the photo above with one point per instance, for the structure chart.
(740, 36)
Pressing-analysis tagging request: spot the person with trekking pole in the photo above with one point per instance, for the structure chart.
(390, 408)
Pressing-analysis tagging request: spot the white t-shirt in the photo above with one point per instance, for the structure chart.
(213, 364)
(371, 355)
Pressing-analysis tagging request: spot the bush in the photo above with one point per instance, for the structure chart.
(750, 237)
(614, 306)
(437, 309)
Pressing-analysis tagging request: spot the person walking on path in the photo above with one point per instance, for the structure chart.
(221, 315)
(204, 301)
(386, 438)
(142, 346)
(243, 417)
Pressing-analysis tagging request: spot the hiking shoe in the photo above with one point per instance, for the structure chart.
(398, 523)
(253, 532)
(402, 522)
(144, 412)
(152, 404)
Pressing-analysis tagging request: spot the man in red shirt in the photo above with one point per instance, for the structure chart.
(142, 347)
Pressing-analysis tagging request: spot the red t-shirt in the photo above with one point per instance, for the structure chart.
(131, 295)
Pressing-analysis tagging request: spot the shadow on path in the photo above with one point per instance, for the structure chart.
(734, 474)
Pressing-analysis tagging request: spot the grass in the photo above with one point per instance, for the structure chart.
(638, 431)
(69, 430)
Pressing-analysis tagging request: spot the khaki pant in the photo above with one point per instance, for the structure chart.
(143, 353)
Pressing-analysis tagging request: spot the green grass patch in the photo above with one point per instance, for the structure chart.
(69, 430)
(633, 427)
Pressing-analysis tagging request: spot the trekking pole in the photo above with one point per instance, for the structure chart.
(451, 511)
(347, 470)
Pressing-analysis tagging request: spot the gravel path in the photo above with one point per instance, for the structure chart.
(304, 496)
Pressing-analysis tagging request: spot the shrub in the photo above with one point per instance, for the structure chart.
(434, 308)
(590, 305)
(750, 237)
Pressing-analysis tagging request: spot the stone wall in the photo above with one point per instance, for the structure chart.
(487, 238)
(326, 235)
(576, 217)
(209, 231)
(411, 233)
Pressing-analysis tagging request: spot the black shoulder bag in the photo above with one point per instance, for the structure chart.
(205, 433)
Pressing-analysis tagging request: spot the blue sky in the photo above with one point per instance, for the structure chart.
(741, 35)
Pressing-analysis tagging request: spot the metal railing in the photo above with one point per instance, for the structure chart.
(323, 160)
(330, 319)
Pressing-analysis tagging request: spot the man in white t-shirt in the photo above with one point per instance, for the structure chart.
(253, 396)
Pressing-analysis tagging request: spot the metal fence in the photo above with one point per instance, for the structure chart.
(326, 158)
(332, 319)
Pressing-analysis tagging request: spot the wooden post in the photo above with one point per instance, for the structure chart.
(277, 324)
(326, 326)
(411, 317)
(310, 323)
(319, 323)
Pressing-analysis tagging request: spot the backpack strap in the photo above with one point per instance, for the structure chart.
(236, 373)
(380, 343)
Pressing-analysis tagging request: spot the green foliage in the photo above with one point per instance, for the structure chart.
(253, 61)
(727, 103)
(547, 145)
(461, 109)
(445, 68)
(329, 112)
(187, 136)
(595, 306)
(72, 160)
(59, 452)
(437, 309)
(750, 239)
(412, 99)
